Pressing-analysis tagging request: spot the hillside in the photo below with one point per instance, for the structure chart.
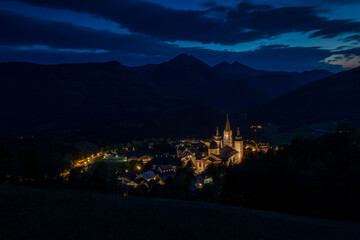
(192, 82)
(28, 213)
(333, 98)
(111, 101)
(272, 83)
(36, 95)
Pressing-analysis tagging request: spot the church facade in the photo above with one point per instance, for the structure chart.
(226, 149)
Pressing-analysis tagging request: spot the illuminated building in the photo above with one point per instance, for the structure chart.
(226, 149)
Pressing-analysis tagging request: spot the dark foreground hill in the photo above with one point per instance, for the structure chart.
(48, 214)
(333, 98)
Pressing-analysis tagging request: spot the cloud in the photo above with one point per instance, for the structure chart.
(243, 23)
(346, 61)
(56, 56)
(157, 21)
(335, 2)
(347, 58)
(40, 41)
(25, 31)
(43, 41)
(37, 47)
(353, 38)
(273, 21)
(208, 4)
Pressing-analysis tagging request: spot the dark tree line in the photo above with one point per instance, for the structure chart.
(316, 177)
(30, 160)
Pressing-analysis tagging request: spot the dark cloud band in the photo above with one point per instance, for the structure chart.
(244, 23)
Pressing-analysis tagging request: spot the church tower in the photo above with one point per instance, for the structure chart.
(217, 138)
(228, 138)
(239, 145)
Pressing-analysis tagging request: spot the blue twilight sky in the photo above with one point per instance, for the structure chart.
(288, 35)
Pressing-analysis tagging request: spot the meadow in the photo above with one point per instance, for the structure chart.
(30, 213)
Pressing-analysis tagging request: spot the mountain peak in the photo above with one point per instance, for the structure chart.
(184, 59)
(223, 63)
(240, 65)
(234, 68)
(236, 63)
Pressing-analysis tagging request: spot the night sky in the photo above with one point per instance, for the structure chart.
(275, 35)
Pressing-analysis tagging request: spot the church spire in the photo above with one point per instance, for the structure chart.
(217, 135)
(228, 137)
(238, 137)
(227, 126)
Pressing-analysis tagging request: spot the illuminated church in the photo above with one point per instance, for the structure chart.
(224, 149)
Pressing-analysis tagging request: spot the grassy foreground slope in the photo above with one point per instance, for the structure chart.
(27, 213)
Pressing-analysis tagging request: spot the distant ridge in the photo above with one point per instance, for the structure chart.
(270, 83)
(104, 97)
(334, 98)
(92, 96)
(237, 68)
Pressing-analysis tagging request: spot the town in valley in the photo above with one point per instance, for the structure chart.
(145, 162)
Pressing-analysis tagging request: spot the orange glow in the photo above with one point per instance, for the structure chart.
(65, 173)
(256, 126)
